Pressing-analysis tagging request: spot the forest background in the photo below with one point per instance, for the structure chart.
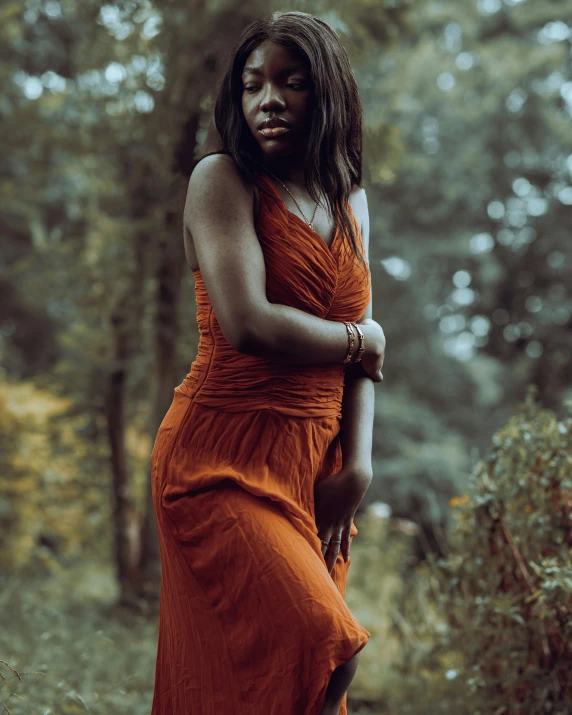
(468, 171)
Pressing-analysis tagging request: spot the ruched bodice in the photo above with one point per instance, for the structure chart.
(302, 271)
(251, 622)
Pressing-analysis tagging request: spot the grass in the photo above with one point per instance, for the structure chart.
(74, 651)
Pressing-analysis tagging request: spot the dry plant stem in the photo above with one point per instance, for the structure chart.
(12, 669)
(517, 555)
(526, 575)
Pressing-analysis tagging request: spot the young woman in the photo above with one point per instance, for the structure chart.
(265, 453)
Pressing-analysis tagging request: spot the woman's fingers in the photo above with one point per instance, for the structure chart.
(329, 549)
(345, 545)
(332, 556)
(325, 539)
(333, 543)
(332, 551)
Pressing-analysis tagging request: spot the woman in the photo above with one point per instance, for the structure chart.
(265, 453)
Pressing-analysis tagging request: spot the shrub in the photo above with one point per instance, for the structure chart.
(506, 584)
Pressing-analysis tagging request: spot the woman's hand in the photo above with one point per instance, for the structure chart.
(374, 343)
(336, 500)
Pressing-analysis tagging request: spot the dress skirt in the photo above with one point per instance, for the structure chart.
(251, 622)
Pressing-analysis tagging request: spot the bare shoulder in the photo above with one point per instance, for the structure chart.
(221, 242)
(213, 177)
(358, 202)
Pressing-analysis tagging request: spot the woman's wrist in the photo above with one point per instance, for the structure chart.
(356, 343)
(354, 348)
(370, 334)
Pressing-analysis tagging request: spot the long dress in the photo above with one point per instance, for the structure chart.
(251, 622)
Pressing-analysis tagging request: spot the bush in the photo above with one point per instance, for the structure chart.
(19, 491)
(50, 505)
(506, 584)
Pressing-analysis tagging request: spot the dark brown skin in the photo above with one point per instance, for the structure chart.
(232, 266)
(224, 242)
(220, 237)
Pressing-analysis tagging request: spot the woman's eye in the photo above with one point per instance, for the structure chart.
(296, 85)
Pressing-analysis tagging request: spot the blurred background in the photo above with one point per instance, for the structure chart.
(468, 170)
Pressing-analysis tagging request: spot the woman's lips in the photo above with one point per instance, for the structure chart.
(274, 131)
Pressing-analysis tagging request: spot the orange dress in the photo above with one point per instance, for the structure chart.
(251, 622)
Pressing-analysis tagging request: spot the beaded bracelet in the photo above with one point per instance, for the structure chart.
(351, 337)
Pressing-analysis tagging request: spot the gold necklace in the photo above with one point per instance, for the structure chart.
(311, 223)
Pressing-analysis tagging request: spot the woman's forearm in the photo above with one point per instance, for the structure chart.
(356, 433)
(294, 336)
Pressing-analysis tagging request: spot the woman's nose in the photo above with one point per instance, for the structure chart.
(271, 97)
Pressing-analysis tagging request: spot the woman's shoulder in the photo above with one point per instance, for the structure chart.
(220, 164)
(357, 193)
(216, 162)
(358, 201)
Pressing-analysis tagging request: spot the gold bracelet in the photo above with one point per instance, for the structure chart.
(361, 348)
(351, 336)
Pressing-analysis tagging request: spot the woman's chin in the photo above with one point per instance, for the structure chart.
(280, 148)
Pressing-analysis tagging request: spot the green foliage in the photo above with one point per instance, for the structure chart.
(504, 591)
(50, 510)
(380, 560)
(509, 573)
(479, 95)
(19, 493)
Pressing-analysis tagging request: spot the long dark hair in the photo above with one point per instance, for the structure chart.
(334, 159)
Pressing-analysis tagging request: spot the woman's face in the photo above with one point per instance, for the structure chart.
(277, 84)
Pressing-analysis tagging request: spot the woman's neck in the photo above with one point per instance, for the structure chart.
(289, 173)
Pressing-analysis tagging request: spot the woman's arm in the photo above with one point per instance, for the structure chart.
(337, 498)
(218, 213)
(356, 433)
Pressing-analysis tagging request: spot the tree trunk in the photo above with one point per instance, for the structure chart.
(127, 542)
(169, 274)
